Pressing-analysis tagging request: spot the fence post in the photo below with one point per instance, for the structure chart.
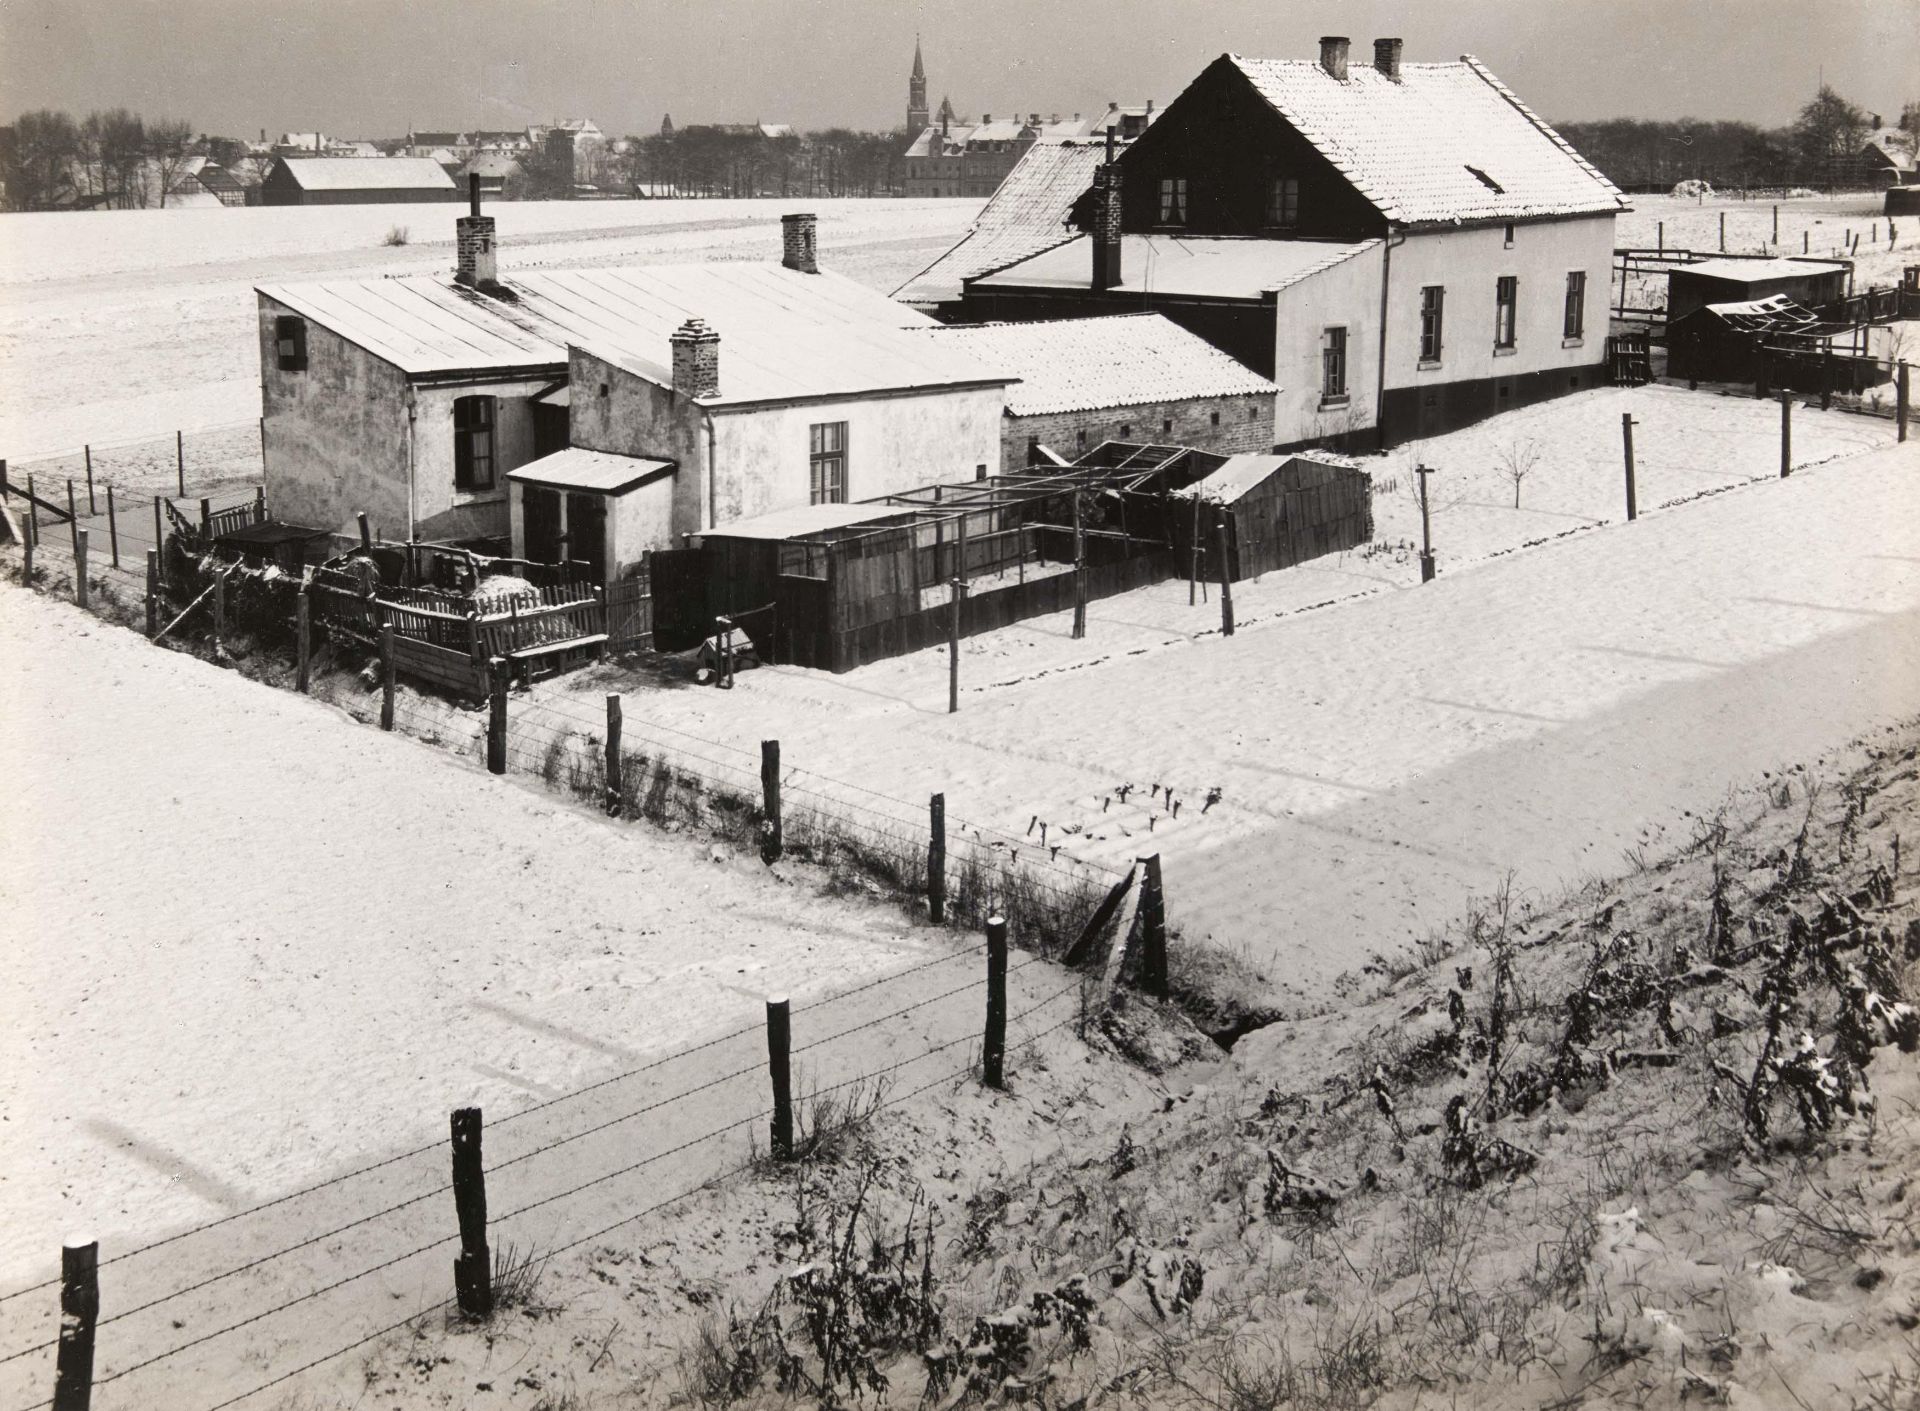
(1426, 527)
(937, 859)
(1079, 572)
(73, 517)
(33, 505)
(113, 530)
(953, 645)
(206, 518)
(6, 490)
(473, 1266)
(1226, 575)
(366, 532)
(159, 538)
(180, 462)
(79, 1308)
(1776, 224)
(1661, 239)
(780, 1070)
(1826, 376)
(1804, 238)
(303, 640)
(93, 505)
(26, 551)
(993, 1048)
(1902, 401)
(1723, 232)
(1786, 433)
(616, 795)
(770, 823)
(1153, 931)
(497, 716)
(1626, 439)
(153, 593)
(219, 611)
(80, 589)
(387, 676)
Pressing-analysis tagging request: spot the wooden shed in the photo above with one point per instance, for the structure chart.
(1278, 510)
(1730, 280)
(347, 181)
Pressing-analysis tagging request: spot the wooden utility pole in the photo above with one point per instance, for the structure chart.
(473, 1266)
(1426, 527)
(993, 1047)
(770, 822)
(1226, 575)
(780, 1073)
(1776, 224)
(1079, 571)
(1626, 437)
(937, 859)
(79, 1310)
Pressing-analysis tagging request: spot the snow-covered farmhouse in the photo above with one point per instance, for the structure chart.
(1403, 248)
(609, 411)
(353, 181)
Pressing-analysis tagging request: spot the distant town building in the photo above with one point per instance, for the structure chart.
(345, 181)
(1888, 156)
(227, 188)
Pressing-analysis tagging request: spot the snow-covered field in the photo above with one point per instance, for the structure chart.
(125, 323)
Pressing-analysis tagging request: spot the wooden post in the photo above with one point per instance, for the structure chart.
(387, 676)
(26, 549)
(79, 1308)
(366, 532)
(6, 490)
(1723, 232)
(473, 1266)
(1226, 575)
(1153, 931)
(303, 640)
(33, 505)
(153, 593)
(113, 530)
(937, 859)
(1662, 238)
(1776, 224)
(1426, 528)
(616, 795)
(1826, 376)
(80, 588)
(1805, 236)
(73, 516)
(206, 518)
(1626, 437)
(993, 1047)
(159, 536)
(770, 823)
(1786, 433)
(219, 610)
(953, 645)
(497, 716)
(780, 1070)
(1902, 401)
(93, 505)
(1193, 558)
(180, 462)
(1079, 572)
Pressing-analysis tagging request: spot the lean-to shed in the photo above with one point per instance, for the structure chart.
(1279, 511)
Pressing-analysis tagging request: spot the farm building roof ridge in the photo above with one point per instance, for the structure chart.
(366, 173)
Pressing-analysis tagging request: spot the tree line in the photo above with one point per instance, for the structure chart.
(1821, 147)
(115, 159)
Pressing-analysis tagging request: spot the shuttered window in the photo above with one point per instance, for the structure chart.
(473, 452)
(1576, 323)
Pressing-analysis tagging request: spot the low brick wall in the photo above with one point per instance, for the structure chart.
(1222, 424)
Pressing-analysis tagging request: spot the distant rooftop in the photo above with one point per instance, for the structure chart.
(1750, 271)
(368, 173)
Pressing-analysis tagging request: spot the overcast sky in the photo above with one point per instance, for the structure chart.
(372, 67)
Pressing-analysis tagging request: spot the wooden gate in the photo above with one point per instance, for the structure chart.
(681, 615)
(629, 615)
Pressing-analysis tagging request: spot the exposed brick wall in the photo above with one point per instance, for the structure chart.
(696, 360)
(473, 250)
(1193, 425)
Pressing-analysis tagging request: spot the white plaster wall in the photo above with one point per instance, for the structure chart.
(1467, 263)
(1347, 293)
(441, 510)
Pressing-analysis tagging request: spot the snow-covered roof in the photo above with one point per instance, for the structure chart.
(783, 334)
(1081, 364)
(1026, 215)
(1752, 271)
(577, 468)
(1246, 472)
(802, 520)
(368, 174)
(1444, 143)
(1181, 264)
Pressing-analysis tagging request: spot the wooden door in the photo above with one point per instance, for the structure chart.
(587, 532)
(541, 520)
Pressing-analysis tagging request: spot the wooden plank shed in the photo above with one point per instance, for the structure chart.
(1279, 510)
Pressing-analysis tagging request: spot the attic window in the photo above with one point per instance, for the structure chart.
(1486, 180)
(290, 343)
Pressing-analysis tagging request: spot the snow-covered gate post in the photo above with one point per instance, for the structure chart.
(473, 1266)
(79, 1307)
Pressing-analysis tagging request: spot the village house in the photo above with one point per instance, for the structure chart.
(1403, 248)
(347, 181)
(676, 396)
(1135, 377)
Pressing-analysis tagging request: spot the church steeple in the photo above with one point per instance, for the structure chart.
(918, 114)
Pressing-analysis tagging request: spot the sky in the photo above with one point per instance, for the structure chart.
(366, 68)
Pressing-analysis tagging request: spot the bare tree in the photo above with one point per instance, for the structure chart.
(169, 145)
(1516, 460)
(37, 158)
(1830, 131)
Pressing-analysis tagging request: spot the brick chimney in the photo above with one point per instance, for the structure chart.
(1386, 57)
(1333, 55)
(696, 359)
(1106, 221)
(799, 246)
(473, 241)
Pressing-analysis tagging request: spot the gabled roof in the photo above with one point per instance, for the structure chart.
(367, 174)
(1893, 145)
(1026, 215)
(1069, 365)
(1446, 143)
(783, 334)
(1216, 268)
(1740, 271)
(436, 139)
(577, 468)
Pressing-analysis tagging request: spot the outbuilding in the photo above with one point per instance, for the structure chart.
(1277, 511)
(348, 181)
(1731, 280)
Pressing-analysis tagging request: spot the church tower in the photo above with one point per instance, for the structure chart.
(918, 114)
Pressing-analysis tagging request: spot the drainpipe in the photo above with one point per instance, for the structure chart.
(412, 508)
(713, 478)
(1380, 387)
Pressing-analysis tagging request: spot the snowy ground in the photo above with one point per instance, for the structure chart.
(116, 324)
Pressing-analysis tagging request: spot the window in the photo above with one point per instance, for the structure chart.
(1166, 426)
(1173, 200)
(1506, 296)
(290, 343)
(1126, 430)
(473, 443)
(1576, 322)
(1507, 235)
(1433, 300)
(1283, 201)
(1216, 418)
(827, 455)
(1333, 364)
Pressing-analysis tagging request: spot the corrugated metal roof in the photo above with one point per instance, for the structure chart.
(783, 334)
(1026, 215)
(577, 468)
(1446, 143)
(803, 520)
(1182, 265)
(1080, 364)
(367, 173)
(1749, 271)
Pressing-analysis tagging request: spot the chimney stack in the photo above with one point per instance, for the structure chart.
(799, 248)
(473, 242)
(1386, 57)
(1333, 55)
(1106, 222)
(696, 359)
